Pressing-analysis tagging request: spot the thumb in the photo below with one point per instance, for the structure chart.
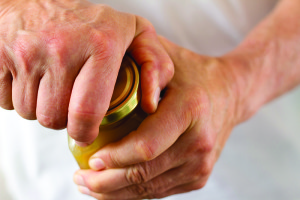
(154, 136)
(157, 68)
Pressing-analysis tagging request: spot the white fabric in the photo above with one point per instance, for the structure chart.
(260, 161)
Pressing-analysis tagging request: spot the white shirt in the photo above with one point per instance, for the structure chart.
(260, 161)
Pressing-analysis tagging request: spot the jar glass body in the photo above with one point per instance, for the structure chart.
(107, 134)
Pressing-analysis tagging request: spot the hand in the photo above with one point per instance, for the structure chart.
(59, 61)
(174, 149)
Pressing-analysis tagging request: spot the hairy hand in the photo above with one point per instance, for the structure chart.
(59, 61)
(174, 149)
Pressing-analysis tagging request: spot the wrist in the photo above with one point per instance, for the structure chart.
(245, 82)
(266, 64)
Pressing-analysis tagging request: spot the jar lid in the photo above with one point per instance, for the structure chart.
(125, 96)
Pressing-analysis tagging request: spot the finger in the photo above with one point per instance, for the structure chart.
(157, 68)
(113, 179)
(25, 60)
(91, 95)
(156, 134)
(187, 148)
(160, 184)
(53, 97)
(24, 95)
(169, 182)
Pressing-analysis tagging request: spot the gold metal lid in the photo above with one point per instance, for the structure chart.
(125, 97)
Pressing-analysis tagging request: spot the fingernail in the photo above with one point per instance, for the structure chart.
(82, 144)
(156, 96)
(96, 164)
(79, 180)
(84, 190)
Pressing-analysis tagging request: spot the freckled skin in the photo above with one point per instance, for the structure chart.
(174, 150)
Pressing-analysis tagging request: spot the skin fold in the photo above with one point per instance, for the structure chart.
(174, 150)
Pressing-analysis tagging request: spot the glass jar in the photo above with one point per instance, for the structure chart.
(123, 116)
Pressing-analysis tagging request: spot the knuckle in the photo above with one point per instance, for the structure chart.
(58, 48)
(202, 171)
(56, 41)
(208, 145)
(114, 156)
(145, 150)
(205, 170)
(142, 190)
(150, 71)
(205, 144)
(169, 69)
(137, 174)
(104, 43)
(163, 71)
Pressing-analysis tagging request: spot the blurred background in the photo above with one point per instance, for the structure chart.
(261, 159)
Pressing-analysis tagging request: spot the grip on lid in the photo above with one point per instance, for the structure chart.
(125, 96)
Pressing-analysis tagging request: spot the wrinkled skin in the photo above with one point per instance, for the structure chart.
(174, 150)
(176, 147)
(59, 61)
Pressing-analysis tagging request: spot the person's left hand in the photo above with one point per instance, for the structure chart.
(174, 149)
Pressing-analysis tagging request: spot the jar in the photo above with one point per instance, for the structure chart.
(123, 116)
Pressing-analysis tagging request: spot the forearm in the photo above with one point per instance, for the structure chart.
(267, 63)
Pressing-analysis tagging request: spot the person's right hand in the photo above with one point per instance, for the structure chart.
(59, 61)
(175, 149)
